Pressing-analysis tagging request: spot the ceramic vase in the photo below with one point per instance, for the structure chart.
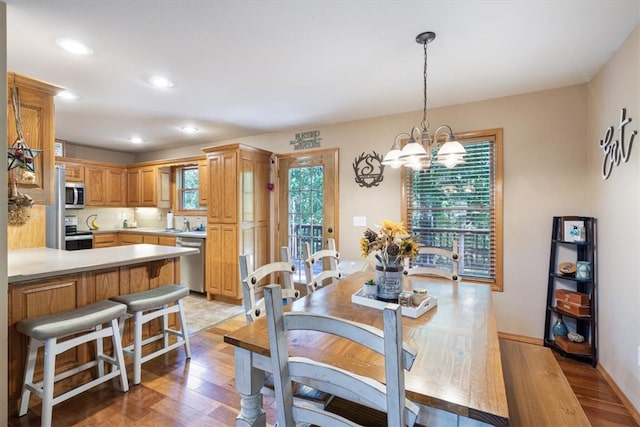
(559, 328)
(389, 278)
(370, 291)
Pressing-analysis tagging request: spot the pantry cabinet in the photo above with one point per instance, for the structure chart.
(238, 220)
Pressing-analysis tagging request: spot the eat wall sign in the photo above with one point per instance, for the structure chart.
(616, 150)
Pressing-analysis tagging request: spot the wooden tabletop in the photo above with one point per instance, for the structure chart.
(458, 367)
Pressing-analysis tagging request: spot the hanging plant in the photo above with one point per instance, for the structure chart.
(19, 158)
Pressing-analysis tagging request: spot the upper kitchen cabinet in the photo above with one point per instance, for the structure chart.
(203, 183)
(149, 186)
(37, 116)
(106, 185)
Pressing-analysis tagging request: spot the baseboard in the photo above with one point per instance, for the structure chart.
(623, 398)
(625, 401)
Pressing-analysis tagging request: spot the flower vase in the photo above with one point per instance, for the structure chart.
(559, 328)
(389, 278)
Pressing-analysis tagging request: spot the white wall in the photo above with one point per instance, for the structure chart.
(616, 204)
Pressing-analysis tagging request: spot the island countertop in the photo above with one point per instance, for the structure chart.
(25, 265)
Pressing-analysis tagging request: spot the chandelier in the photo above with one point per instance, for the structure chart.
(416, 153)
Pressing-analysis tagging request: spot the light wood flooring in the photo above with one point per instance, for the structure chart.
(201, 392)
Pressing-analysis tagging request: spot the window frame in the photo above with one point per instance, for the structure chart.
(179, 191)
(495, 135)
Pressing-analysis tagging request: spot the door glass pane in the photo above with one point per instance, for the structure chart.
(305, 214)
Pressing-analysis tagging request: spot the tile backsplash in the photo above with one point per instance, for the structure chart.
(113, 218)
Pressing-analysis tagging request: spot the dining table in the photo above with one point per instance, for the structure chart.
(457, 371)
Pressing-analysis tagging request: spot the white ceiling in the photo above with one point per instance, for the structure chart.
(249, 67)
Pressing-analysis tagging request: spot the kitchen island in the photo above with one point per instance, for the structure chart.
(46, 281)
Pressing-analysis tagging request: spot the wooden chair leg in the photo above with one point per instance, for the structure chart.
(183, 328)
(34, 345)
(137, 347)
(50, 352)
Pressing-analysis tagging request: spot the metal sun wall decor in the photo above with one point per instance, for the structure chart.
(306, 140)
(368, 169)
(615, 150)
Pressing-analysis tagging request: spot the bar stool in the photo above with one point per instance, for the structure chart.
(149, 305)
(46, 331)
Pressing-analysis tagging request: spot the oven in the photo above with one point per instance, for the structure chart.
(75, 240)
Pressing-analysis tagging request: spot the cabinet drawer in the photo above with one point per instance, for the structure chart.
(578, 298)
(105, 240)
(130, 239)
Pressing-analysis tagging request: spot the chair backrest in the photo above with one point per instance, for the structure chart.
(254, 281)
(451, 274)
(318, 258)
(398, 357)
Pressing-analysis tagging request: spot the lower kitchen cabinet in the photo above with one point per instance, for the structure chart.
(105, 240)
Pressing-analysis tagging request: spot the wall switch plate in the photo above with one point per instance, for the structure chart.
(360, 221)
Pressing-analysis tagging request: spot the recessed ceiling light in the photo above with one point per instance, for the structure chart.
(189, 129)
(65, 94)
(159, 81)
(136, 140)
(74, 47)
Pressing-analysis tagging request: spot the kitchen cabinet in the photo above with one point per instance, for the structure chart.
(73, 172)
(105, 240)
(149, 186)
(37, 114)
(153, 239)
(130, 238)
(238, 220)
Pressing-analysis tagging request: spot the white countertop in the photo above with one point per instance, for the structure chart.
(39, 263)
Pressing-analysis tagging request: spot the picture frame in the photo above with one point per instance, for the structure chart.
(571, 230)
(58, 148)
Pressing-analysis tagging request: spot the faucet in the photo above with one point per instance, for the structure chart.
(187, 225)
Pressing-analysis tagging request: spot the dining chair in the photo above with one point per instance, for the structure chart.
(438, 259)
(315, 281)
(253, 284)
(389, 398)
(254, 281)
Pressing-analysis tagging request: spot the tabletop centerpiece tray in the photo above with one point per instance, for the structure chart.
(413, 312)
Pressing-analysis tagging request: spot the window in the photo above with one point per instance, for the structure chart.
(464, 204)
(187, 186)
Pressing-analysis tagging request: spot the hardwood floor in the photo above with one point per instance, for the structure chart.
(201, 392)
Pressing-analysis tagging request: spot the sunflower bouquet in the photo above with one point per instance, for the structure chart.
(390, 244)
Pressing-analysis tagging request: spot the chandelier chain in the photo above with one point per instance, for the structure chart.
(424, 75)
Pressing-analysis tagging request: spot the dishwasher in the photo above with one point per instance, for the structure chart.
(192, 266)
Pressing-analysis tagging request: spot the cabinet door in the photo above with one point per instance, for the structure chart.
(223, 187)
(150, 238)
(214, 263)
(229, 261)
(37, 114)
(134, 190)
(148, 190)
(166, 240)
(164, 187)
(95, 182)
(116, 187)
(73, 172)
(203, 183)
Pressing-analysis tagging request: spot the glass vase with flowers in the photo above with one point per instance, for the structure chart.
(390, 245)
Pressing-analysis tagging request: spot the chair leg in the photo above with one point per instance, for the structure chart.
(28, 375)
(165, 326)
(100, 353)
(183, 328)
(118, 354)
(137, 348)
(48, 378)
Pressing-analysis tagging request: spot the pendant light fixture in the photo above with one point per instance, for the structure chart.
(416, 153)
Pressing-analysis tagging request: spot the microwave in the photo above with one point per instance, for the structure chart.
(74, 195)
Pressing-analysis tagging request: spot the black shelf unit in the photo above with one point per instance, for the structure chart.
(565, 249)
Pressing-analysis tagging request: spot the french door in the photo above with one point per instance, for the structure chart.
(307, 203)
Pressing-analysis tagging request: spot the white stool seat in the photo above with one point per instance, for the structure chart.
(146, 306)
(86, 323)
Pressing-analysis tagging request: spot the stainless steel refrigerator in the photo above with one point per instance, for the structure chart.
(55, 230)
